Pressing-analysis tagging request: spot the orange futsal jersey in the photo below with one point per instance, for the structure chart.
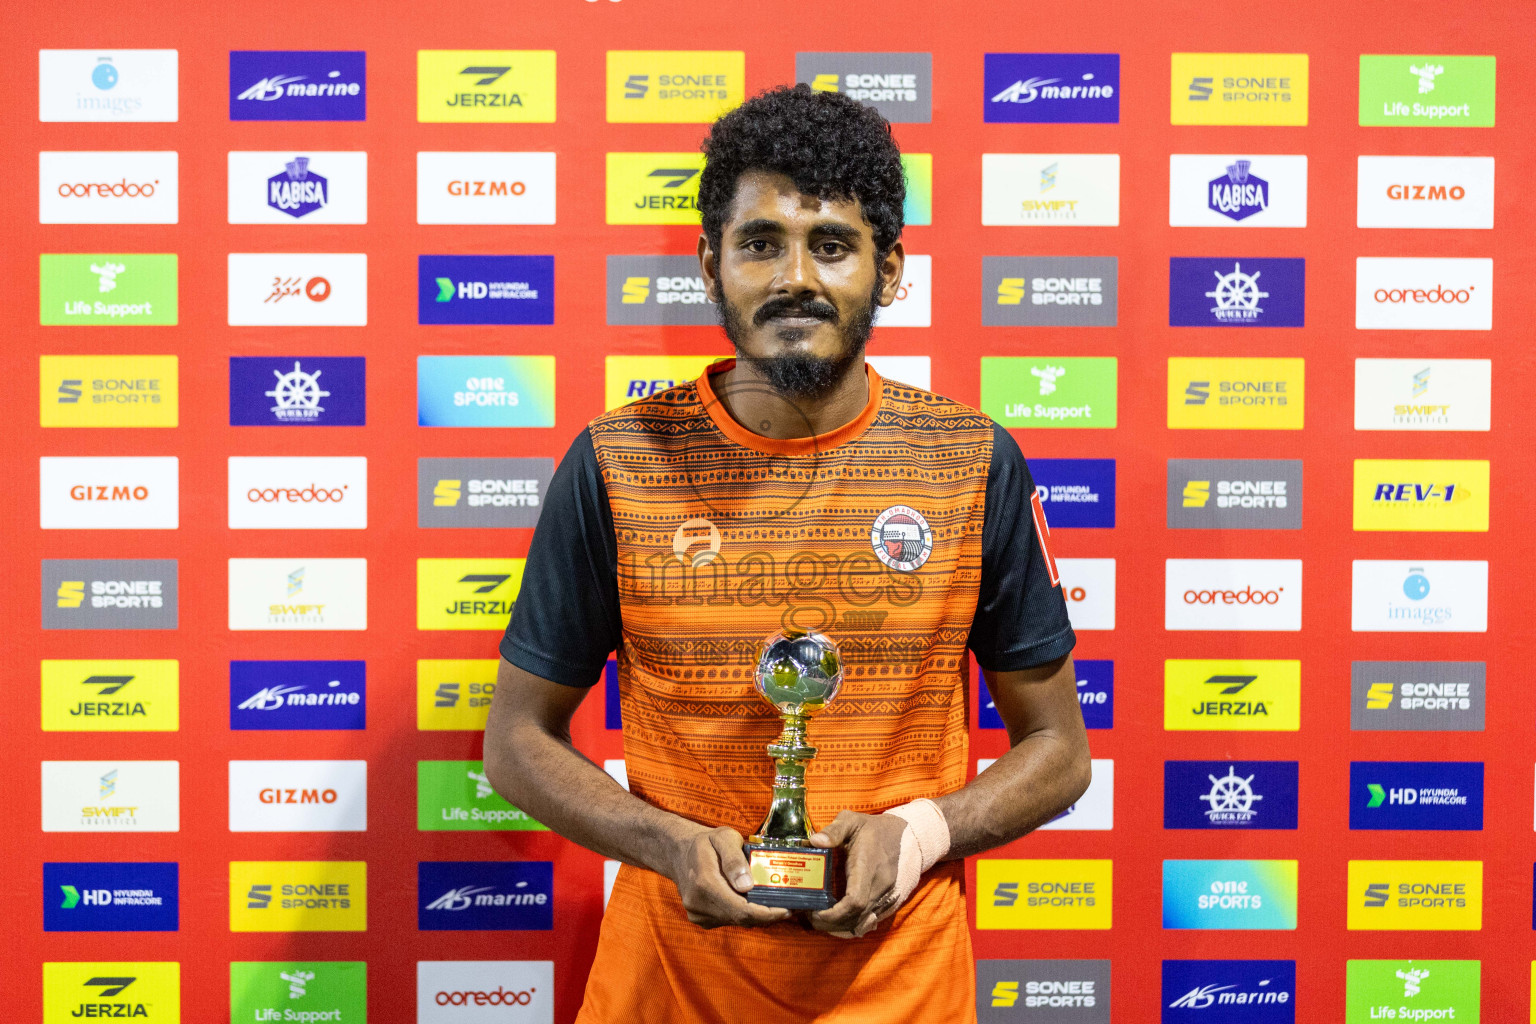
(682, 540)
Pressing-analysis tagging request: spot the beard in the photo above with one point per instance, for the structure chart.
(797, 375)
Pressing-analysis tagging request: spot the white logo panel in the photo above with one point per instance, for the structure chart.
(1095, 809)
(106, 85)
(298, 593)
(1419, 597)
(1423, 394)
(1034, 189)
(485, 188)
(284, 187)
(111, 796)
(914, 370)
(298, 493)
(1232, 593)
(1237, 191)
(913, 306)
(126, 187)
(485, 992)
(298, 796)
(1424, 192)
(1414, 294)
(108, 493)
(298, 289)
(1088, 584)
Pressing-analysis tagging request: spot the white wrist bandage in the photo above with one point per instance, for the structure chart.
(923, 844)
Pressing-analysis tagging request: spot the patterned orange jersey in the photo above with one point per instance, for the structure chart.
(682, 540)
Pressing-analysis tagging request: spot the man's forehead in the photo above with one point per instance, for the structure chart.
(773, 196)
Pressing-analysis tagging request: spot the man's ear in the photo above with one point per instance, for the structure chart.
(709, 269)
(890, 273)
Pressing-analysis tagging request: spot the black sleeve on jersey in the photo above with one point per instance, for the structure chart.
(566, 620)
(1021, 617)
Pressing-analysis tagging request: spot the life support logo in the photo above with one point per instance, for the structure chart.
(903, 540)
(695, 531)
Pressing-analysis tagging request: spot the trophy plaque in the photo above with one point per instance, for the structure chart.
(798, 673)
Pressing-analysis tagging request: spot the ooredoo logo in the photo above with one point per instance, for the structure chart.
(312, 493)
(455, 991)
(107, 187)
(1232, 593)
(1424, 294)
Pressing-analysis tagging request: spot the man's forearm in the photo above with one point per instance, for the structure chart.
(1034, 781)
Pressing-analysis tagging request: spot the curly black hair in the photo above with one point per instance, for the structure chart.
(830, 146)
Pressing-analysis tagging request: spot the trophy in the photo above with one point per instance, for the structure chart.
(798, 673)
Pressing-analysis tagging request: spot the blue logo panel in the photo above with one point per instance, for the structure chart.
(613, 718)
(1052, 88)
(1233, 795)
(1432, 795)
(298, 695)
(1230, 895)
(110, 897)
(1229, 991)
(485, 895)
(1076, 492)
(1236, 292)
(297, 391)
(298, 85)
(1095, 693)
(485, 289)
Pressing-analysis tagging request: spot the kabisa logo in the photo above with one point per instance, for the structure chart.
(298, 796)
(1396, 596)
(664, 290)
(109, 695)
(485, 289)
(300, 991)
(485, 188)
(1423, 294)
(297, 391)
(1416, 795)
(287, 289)
(1031, 189)
(107, 187)
(1230, 292)
(1052, 88)
(1249, 695)
(296, 191)
(269, 695)
(485, 895)
(454, 693)
(457, 796)
(1421, 494)
(1237, 190)
(1230, 894)
(1030, 894)
(283, 187)
(107, 85)
(1229, 991)
(298, 896)
(485, 991)
(1415, 895)
(107, 289)
(1050, 291)
(481, 492)
(76, 990)
(1248, 393)
(1238, 88)
(1064, 391)
(1076, 492)
(1424, 192)
(111, 796)
(108, 493)
(653, 188)
(1239, 194)
(298, 85)
(110, 897)
(286, 593)
(485, 391)
(673, 86)
(1044, 991)
(1233, 795)
(107, 391)
(1418, 696)
(109, 593)
(485, 85)
(466, 593)
(1439, 91)
(1412, 990)
(1095, 695)
(899, 85)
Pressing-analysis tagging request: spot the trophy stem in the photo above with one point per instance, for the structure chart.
(787, 822)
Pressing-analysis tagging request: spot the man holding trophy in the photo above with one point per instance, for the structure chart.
(791, 556)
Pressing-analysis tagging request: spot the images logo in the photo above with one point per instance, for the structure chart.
(454, 694)
(1052, 88)
(653, 188)
(1250, 696)
(110, 897)
(297, 391)
(1030, 894)
(295, 593)
(108, 493)
(466, 593)
(1049, 291)
(109, 593)
(1053, 991)
(673, 86)
(1238, 88)
(485, 895)
(1229, 991)
(462, 493)
(485, 85)
(1032, 189)
(1234, 795)
(485, 188)
(1424, 192)
(78, 187)
(110, 85)
(1415, 895)
(484, 991)
(1019, 391)
(107, 391)
(485, 391)
(1416, 795)
(298, 796)
(298, 695)
(1234, 494)
(1250, 191)
(1230, 292)
(107, 289)
(325, 991)
(1230, 894)
(298, 896)
(298, 492)
(72, 991)
(657, 290)
(280, 187)
(1423, 394)
(111, 796)
(109, 696)
(1421, 494)
(1441, 91)
(1423, 294)
(485, 289)
(282, 289)
(1249, 394)
(1428, 596)
(298, 85)
(1076, 492)
(1232, 594)
(457, 796)
(1427, 696)
(899, 85)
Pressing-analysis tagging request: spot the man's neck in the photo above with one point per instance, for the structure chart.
(751, 402)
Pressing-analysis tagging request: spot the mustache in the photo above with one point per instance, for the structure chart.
(786, 306)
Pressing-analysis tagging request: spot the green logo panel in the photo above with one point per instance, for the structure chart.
(331, 991)
(1446, 92)
(1413, 990)
(107, 289)
(1049, 391)
(454, 796)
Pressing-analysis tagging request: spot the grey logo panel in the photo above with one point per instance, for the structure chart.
(657, 290)
(481, 492)
(1417, 696)
(1042, 991)
(899, 85)
(109, 593)
(1234, 494)
(1050, 291)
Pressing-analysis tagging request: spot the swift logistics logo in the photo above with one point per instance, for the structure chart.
(454, 694)
(1420, 596)
(110, 897)
(1095, 696)
(298, 289)
(1418, 696)
(110, 695)
(109, 593)
(1051, 88)
(1050, 291)
(298, 896)
(1421, 494)
(500, 86)
(1044, 894)
(1234, 494)
(297, 391)
(1424, 192)
(1434, 91)
(1414, 294)
(1229, 895)
(485, 391)
(466, 593)
(107, 85)
(269, 695)
(1043, 991)
(485, 289)
(485, 188)
(282, 187)
(133, 187)
(298, 85)
(1229, 696)
(898, 85)
(1050, 391)
(485, 991)
(1423, 394)
(674, 86)
(485, 895)
(1236, 292)
(1415, 895)
(298, 593)
(111, 796)
(108, 493)
(456, 796)
(666, 290)
(1076, 492)
(107, 289)
(1238, 88)
(1036, 189)
(298, 796)
(298, 492)
(1413, 990)
(1246, 191)
(1416, 795)
(303, 991)
(1230, 795)
(1236, 393)
(76, 990)
(1229, 991)
(1232, 594)
(107, 391)
(481, 492)
(653, 188)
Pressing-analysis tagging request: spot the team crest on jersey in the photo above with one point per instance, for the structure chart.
(902, 538)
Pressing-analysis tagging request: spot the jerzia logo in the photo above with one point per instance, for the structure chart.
(466, 593)
(485, 85)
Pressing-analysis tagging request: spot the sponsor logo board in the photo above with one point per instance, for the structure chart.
(1413, 990)
(1229, 991)
(1423, 294)
(1088, 585)
(107, 85)
(298, 289)
(297, 391)
(1230, 795)
(108, 493)
(105, 187)
(107, 391)
(1416, 795)
(1238, 88)
(485, 188)
(110, 897)
(914, 371)
(298, 593)
(1232, 593)
(1050, 391)
(497, 86)
(1037, 189)
(1418, 596)
(917, 208)
(626, 378)
(109, 593)
(1230, 895)
(1231, 291)
(289, 990)
(456, 796)
(298, 85)
(1423, 394)
(1415, 895)
(1418, 696)
(899, 85)
(1421, 494)
(1437, 92)
(1094, 811)
(1229, 696)
(1236, 393)
(1424, 192)
(913, 305)
(485, 991)
(298, 796)
(1237, 191)
(298, 896)
(653, 188)
(1044, 894)
(283, 187)
(111, 796)
(1095, 695)
(454, 694)
(267, 695)
(1043, 991)
(1076, 492)
(481, 492)
(1051, 88)
(466, 593)
(485, 895)
(107, 289)
(290, 492)
(147, 990)
(1234, 494)
(110, 695)
(485, 391)
(674, 86)
(1050, 291)
(485, 289)
(665, 290)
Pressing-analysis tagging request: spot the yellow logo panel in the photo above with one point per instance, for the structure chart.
(630, 377)
(150, 992)
(1236, 394)
(485, 85)
(107, 391)
(1034, 894)
(1231, 696)
(1421, 494)
(466, 593)
(298, 896)
(654, 188)
(674, 86)
(1416, 895)
(1239, 88)
(454, 693)
(110, 696)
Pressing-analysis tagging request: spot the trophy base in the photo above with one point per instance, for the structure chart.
(793, 877)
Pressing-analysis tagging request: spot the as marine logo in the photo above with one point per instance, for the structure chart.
(901, 538)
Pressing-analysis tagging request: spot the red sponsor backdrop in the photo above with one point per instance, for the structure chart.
(1144, 35)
